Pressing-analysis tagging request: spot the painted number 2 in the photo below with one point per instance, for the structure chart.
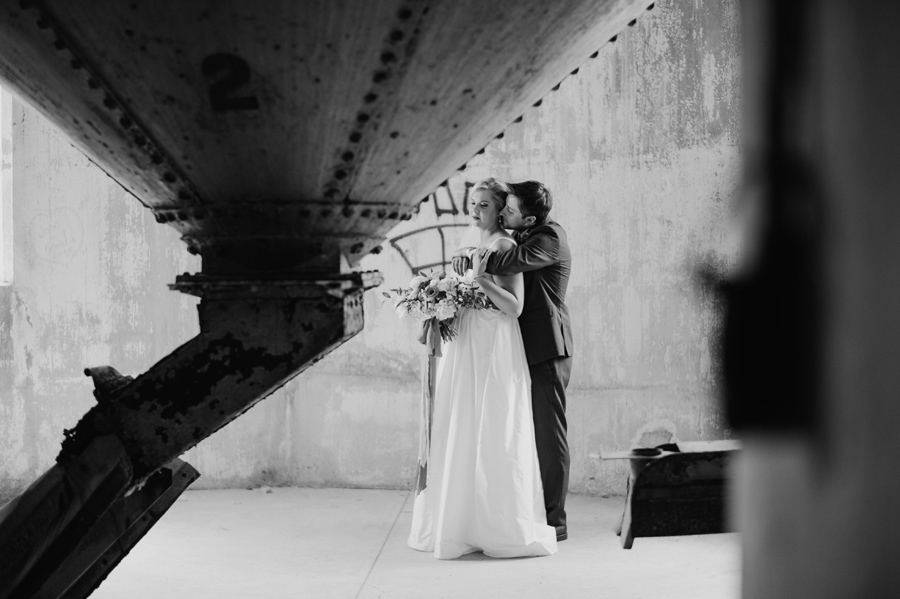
(227, 73)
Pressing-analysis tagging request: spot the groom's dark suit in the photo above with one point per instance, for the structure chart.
(543, 256)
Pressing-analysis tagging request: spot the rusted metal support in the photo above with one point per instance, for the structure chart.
(122, 526)
(254, 336)
(40, 528)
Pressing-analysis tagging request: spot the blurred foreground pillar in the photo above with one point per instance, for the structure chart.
(814, 384)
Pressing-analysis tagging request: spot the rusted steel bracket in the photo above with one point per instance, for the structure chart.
(39, 529)
(74, 525)
(254, 336)
(114, 475)
(121, 527)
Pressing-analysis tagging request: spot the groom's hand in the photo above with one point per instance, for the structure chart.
(479, 261)
(461, 262)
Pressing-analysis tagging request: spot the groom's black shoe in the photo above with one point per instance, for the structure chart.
(561, 533)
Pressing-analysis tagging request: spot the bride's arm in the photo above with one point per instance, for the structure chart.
(507, 292)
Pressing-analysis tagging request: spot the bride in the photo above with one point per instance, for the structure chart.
(483, 490)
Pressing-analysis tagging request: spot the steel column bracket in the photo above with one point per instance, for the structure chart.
(276, 284)
(122, 525)
(39, 529)
(255, 336)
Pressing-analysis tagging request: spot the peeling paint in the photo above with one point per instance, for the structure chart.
(89, 288)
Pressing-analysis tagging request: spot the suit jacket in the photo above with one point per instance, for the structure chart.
(544, 259)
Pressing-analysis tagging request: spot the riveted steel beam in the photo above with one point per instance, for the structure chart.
(311, 121)
(40, 528)
(125, 523)
(74, 524)
(255, 335)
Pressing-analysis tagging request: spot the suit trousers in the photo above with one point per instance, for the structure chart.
(549, 380)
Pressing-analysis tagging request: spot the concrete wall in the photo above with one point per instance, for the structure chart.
(90, 267)
(640, 150)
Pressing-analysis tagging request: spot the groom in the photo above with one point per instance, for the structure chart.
(543, 256)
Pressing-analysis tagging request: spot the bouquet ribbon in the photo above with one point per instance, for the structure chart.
(431, 338)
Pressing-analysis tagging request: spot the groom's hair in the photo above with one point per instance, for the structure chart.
(534, 199)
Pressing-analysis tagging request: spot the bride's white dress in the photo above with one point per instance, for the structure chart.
(483, 490)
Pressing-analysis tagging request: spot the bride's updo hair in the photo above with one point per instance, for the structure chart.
(497, 189)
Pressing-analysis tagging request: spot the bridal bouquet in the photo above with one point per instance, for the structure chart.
(437, 297)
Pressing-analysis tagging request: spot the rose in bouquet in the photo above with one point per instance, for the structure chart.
(437, 297)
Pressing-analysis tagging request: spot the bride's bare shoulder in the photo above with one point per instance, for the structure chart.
(503, 243)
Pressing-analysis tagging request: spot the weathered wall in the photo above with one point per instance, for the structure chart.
(640, 150)
(89, 275)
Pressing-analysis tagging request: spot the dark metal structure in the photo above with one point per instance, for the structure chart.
(283, 140)
(812, 330)
(678, 489)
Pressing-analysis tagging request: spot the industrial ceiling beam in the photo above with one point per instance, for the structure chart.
(308, 129)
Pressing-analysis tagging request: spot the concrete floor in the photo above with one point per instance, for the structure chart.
(351, 543)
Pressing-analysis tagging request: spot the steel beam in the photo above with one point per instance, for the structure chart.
(254, 336)
(41, 527)
(121, 527)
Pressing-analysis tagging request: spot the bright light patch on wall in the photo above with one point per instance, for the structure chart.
(6, 188)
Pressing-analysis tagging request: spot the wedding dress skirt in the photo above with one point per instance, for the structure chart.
(483, 490)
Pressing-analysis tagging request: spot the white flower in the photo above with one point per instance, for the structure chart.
(415, 310)
(445, 309)
(417, 281)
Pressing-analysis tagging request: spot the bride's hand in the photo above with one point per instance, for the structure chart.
(479, 261)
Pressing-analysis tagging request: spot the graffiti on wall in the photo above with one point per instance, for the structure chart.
(441, 224)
